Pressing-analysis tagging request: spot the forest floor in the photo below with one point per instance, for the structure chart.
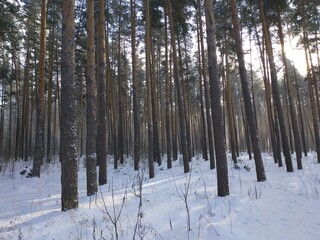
(286, 206)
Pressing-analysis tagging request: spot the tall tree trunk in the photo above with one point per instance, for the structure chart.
(168, 90)
(206, 92)
(275, 88)
(91, 104)
(68, 135)
(230, 115)
(186, 97)
(218, 128)
(26, 104)
(261, 176)
(148, 80)
(182, 123)
(135, 89)
(155, 109)
(300, 115)
(101, 126)
(311, 82)
(17, 144)
(2, 112)
(201, 64)
(292, 108)
(174, 116)
(10, 122)
(268, 97)
(39, 141)
(57, 106)
(121, 69)
(49, 106)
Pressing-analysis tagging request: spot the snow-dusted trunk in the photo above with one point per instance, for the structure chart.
(91, 104)
(68, 148)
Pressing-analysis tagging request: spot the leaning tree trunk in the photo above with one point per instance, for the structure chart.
(268, 100)
(292, 108)
(275, 88)
(261, 176)
(312, 84)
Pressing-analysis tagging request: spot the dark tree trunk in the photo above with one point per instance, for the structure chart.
(155, 109)
(26, 105)
(101, 126)
(168, 90)
(149, 90)
(206, 93)
(230, 115)
(218, 128)
(268, 100)
(39, 141)
(261, 176)
(292, 109)
(91, 105)
(275, 88)
(135, 90)
(68, 149)
(204, 142)
(182, 123)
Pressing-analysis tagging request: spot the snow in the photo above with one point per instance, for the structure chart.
(286, 206)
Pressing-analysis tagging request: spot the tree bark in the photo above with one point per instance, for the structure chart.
(182, 123)
(275, 88)
(68, 135)
(135, 89)
(101, 126)
(91, 104)
(261, 176)
(168, 90)
(292, 109)
(39, 141)
(218, 128)
(148, 80)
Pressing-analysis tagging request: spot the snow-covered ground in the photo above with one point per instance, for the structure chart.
(286, 206)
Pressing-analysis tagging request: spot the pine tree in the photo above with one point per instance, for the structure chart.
(91, 104)
(261, 176)
(218, 128)
(68, 135)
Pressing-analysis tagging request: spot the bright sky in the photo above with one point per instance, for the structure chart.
(294, 53)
